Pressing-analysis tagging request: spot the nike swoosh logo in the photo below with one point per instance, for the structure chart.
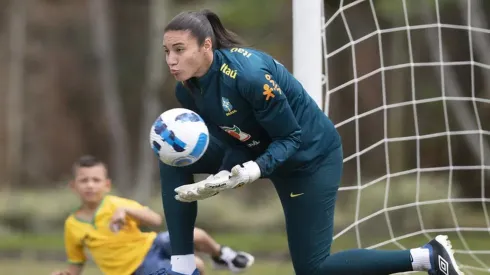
(292, 195)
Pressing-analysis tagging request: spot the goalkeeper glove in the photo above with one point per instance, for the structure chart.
(200, 190)
(239, 176)
(244, 174)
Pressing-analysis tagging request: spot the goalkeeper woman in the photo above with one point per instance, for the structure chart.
(265, 125)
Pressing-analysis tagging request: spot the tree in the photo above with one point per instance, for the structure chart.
(15, 97)
(103, 47)
(155, 78)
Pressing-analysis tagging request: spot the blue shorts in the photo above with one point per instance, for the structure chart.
(158, 257)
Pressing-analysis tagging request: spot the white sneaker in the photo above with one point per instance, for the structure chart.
(236, 261)
(442, 257)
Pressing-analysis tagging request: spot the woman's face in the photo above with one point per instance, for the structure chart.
(185, 57)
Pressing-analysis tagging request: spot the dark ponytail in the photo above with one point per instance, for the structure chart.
(223, 37)
(205, 24)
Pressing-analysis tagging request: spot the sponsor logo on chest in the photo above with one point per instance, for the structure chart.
(236, 133)
(225, 69)
(253, 143)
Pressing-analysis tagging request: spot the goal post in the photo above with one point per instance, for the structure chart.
(407, 85)
(307, 46)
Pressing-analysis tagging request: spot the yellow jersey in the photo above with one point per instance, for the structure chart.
(118, 253)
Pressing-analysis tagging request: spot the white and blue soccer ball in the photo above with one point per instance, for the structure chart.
(179, 137)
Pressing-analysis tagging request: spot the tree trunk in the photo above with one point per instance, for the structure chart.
(102, 43)
(155, 78)
(15, 97)
(480, 43)
(397, 94)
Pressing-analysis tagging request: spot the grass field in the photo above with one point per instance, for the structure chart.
(26, 267)
(275, 247)
(31, 254)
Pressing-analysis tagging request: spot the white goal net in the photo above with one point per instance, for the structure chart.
(407, 84)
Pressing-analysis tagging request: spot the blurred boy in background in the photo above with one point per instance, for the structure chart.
(108, 226)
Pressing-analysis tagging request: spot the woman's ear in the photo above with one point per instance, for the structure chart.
(208, 44)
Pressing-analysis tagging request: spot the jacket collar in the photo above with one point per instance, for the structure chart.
(205, 80)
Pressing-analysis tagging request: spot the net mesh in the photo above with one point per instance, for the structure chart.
(407, 83)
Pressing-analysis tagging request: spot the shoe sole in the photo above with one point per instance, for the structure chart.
(250, 262)
(446, 244)
(234, 269)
